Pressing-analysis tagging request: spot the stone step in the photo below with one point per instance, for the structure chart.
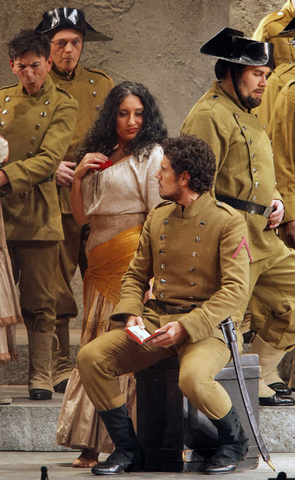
(16, 372)
(28, 425)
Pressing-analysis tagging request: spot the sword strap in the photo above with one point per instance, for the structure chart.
(250, 207)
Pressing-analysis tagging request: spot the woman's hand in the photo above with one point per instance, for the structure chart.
(91, 161)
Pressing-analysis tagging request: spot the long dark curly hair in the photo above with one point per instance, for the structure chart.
(103, 137)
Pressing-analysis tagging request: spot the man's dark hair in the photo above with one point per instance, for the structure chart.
(190, 153)
(29, 41)
(103, 136)
(222, 67)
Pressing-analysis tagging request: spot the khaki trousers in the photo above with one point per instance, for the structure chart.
(272, 281)
(114, 354)
(33, 265)
(71, 254)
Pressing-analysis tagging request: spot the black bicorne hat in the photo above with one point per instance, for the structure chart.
(232, 46)
(70, 18)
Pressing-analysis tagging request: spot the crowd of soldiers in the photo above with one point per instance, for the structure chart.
(246, 120)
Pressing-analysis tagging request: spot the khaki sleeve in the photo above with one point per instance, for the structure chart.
(283, 143)
(24, 174)
(135, 282)
(261, 34)
(208, 126)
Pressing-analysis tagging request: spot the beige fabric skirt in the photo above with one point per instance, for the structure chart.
(79, 426)
(10, 312)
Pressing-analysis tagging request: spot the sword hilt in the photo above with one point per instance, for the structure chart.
(228, 330)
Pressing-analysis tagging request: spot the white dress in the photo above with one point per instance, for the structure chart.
(115, 200)
(10, 312)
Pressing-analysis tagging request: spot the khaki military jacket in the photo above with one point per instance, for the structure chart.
(272, 25)
(39, 129)
(194, 255)
(283, 143)
(243, 153)
(89, 87)
(279, 77)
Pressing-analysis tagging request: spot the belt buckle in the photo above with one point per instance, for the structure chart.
(267, 211)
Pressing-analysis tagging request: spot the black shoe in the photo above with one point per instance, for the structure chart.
(40, 394)
(128, 455)
(233, 445)
(281, 388)
(119, 462)
(219, 469)
(276, 400)
(61, 387)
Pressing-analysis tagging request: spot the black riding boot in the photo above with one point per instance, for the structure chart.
(232, 444)
(128, 454)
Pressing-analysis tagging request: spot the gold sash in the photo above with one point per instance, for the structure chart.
(108, 262)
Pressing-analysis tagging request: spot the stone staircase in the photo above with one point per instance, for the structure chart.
(30, 426)
(26, 425)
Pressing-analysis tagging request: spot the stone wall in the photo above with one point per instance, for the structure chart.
(155, 42)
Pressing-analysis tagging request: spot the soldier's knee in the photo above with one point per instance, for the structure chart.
(190, 383)
(84, 360)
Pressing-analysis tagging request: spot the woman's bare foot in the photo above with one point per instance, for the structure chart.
(87, 459)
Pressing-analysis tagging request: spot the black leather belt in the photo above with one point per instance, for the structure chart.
(250, 207)
(171, 309)
(47, 179)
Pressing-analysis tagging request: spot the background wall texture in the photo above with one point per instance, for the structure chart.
(155, 42)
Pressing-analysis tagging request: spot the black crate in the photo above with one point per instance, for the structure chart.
(176, 437)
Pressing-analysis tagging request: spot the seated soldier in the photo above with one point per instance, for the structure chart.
(194, 247)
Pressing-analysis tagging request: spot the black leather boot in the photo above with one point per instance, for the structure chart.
(128, 454)
(233, 444)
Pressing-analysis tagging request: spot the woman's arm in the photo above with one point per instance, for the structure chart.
(91, 161)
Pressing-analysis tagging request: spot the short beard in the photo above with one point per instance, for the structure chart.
(247, 101)
(173, 197)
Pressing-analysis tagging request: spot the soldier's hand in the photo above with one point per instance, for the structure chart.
(174, 332)
(289, 229)
(277, 215)
(65, 173)
(132, 320)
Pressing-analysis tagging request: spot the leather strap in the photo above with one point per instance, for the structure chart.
(171, 309)
(250, 207)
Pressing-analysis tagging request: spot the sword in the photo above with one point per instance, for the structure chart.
(230, 335)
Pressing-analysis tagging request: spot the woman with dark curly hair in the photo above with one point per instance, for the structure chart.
(114, 187)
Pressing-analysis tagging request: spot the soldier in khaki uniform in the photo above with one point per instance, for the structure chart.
(194, 248)
(246, 180)
(38, 120)
(279, 77)
(271, 25)
(282, 74)
(67, 30)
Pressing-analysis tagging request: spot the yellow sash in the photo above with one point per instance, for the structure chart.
(108, 262)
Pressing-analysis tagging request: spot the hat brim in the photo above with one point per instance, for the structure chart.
(232, 46)
(63, 23)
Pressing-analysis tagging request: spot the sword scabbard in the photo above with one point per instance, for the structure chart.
(230, 335)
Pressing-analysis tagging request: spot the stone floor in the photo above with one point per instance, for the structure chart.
(27, 466)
